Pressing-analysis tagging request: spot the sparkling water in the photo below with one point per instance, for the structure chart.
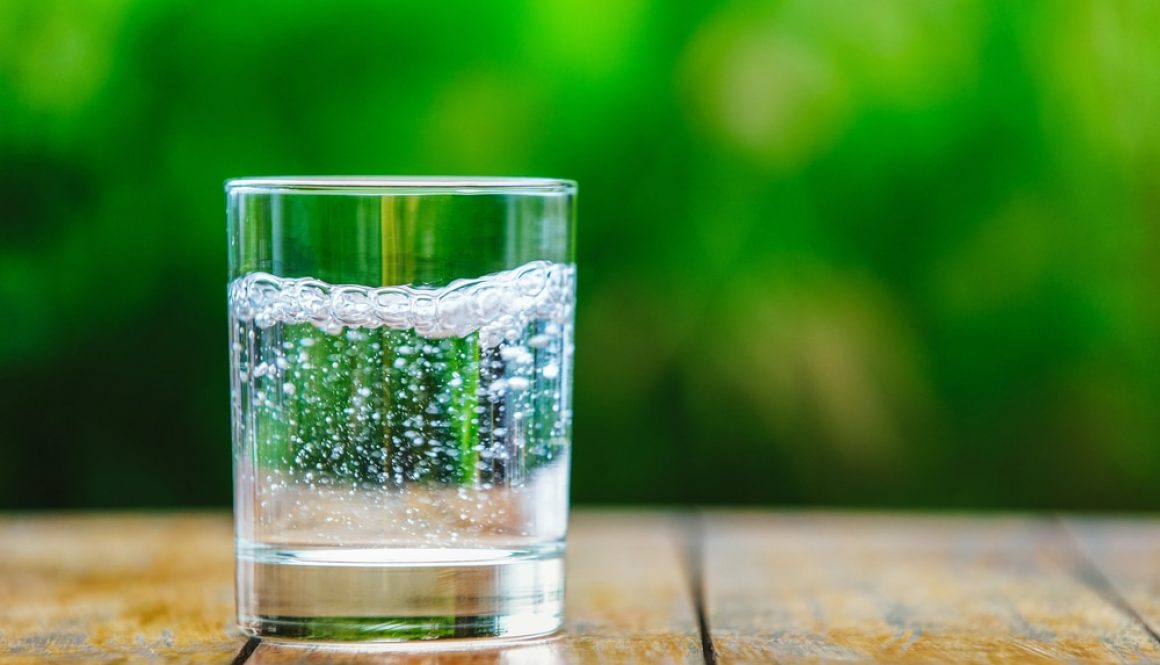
(402, 454)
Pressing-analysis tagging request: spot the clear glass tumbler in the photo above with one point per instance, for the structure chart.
(401, 367)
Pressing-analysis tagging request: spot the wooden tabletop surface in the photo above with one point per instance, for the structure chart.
(725, 587)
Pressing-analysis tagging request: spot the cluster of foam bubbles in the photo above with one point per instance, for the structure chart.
(499, 306)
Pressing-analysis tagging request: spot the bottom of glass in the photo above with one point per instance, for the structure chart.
(398, 629)
(399, 594)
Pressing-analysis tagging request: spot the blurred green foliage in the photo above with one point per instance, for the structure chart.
(868, 253)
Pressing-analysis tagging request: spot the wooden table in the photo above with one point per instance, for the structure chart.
(725, 587)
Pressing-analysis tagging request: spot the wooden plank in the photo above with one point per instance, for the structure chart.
(628, 601)
(152, 589)
(123, 589)
(873, 588)
(1125, 553)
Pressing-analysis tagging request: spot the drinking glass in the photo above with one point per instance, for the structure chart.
(401, 370)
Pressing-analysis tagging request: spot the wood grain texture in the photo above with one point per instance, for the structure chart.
(116, 589)
(628, 601)
(906, 589)
(1125, 555)
(801, 587)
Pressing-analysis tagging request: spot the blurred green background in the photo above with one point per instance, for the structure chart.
(831, 253)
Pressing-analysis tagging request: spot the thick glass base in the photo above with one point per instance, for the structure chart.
(399, 594)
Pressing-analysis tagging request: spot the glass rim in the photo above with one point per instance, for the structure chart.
(403, 185)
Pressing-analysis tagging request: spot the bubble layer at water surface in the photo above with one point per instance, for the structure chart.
(496, 306)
